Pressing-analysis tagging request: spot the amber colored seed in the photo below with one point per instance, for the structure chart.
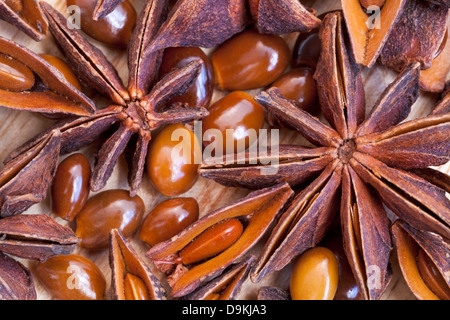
(200, 93)
(115, 29)
(212, 241)
(299, 85)
(367, 3)
(240, 115)
(14, 75)
(315, 275)
(249, 60)
(72, 277)
(167, 219)
(64, 68)
(432, 277)
(135, 288)
(173, 160)
(70, 188)
(307, 50)
(107, 210)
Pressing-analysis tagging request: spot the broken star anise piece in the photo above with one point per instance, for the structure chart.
(16, 281)
(139, 108)
(35, 236)
(420, 35)
(359, 165)
(131, 279)
(423, 259)
(26, 15)
(254, 214)
(282, 16)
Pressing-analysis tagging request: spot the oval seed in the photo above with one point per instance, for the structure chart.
(107, 210)
(72, 277)
(249, 60)
(238, 113)
(172, 160)
(299, 86)
(200, 93)
(307, 50)
(115, 29)
(315, 275)
(70, 187)
(167, 219)
(212, 241)
(14, 75)
(135, 288)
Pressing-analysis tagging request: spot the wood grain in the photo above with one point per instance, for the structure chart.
(17, 127)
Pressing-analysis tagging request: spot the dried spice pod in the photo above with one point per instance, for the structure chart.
(417, 37)
(126, 264)
(202, 27)
(26, 15)
(16, 281)
(370, 31)
(434, 79)
(50, 92)
(35, 236)
(25, 179)
(228, 285)
(256, 211)
(362, 163)
(412, 245)
(272, 293)
(284, 16)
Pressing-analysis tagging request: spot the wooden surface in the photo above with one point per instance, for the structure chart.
(17, 127)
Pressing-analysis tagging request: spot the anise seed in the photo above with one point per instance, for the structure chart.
(14, 75)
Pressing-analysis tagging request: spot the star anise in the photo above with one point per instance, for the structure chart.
(135, 110)
(26, 15)
(362, 163)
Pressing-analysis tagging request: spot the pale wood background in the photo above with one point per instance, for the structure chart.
(17, 127)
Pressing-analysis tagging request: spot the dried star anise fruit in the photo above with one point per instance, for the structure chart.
(26, 15)
(139, 108)
(359, 165)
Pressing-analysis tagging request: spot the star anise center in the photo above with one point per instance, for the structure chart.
(346, 150)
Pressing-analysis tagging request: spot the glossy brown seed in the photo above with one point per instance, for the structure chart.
(173, 160)
(72, 277)
(115, 29)
(107, 210)
(135, 288)
(167, 219)
(306, 50)
(212, 241)
(249, 60)
(70, 188)
(200, 93)
(299, 85)
(237, 112)
(431, 276)
(14, 75)
(315, 275)
(64, 68)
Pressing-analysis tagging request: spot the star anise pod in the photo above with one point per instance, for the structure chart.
(361, 163)
(26, 15)
(139, 108)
